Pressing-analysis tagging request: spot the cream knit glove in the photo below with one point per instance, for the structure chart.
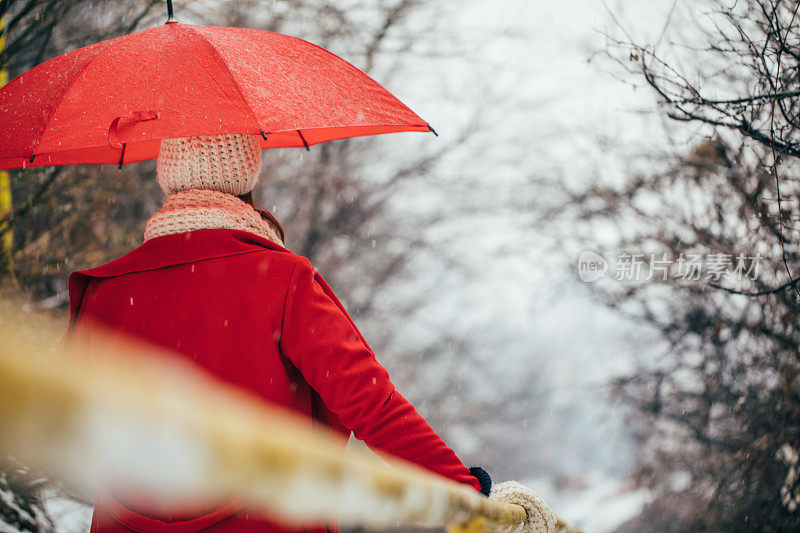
(540, 518)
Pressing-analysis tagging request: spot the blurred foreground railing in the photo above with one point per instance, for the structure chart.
(153, 422)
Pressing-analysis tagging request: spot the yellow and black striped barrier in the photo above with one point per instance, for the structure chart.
(136, 416)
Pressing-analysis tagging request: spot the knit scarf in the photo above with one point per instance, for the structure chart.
(195, 209)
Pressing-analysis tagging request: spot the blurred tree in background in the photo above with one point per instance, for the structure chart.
(718, 411)
(69, 217)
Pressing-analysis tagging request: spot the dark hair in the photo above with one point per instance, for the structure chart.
(266, 215)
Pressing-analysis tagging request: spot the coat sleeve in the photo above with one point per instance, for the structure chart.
(321, 340)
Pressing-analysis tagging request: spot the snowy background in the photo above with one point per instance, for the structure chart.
(558, 113)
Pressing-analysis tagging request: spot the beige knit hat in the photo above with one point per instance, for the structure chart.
(227, 163)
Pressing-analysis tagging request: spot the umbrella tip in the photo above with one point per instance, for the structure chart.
(170, 14)
(122, 157)
(305, 143)
(432, 130)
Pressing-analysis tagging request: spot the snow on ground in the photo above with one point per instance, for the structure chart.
(69, 516)
(602, 505)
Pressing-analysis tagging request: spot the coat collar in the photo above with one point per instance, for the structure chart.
(168, 250)
(179, 248)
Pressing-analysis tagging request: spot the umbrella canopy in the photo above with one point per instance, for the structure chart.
(112, 102)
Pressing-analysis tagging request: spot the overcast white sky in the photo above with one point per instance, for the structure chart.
(561, 97)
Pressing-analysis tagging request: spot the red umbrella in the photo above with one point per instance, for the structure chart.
(112, 102)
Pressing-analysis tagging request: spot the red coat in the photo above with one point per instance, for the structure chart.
(258, 316)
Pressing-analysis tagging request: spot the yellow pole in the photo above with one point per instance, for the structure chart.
(6, 203)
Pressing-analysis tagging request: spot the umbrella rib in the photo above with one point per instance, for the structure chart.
(69, 87)
(227, 69)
